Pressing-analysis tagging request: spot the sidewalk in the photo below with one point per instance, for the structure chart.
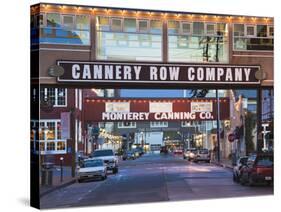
(57, 184)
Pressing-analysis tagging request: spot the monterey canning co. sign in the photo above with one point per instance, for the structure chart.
(125, 73)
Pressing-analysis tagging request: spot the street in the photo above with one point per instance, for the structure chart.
(154, 178)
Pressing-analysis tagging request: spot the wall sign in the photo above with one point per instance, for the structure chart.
(144, 109)
(125, 73)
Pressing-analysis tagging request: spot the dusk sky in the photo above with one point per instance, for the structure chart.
(152, 93)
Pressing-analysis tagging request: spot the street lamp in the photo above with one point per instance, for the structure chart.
(61, 169)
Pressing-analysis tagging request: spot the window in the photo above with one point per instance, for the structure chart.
(261, 31)
(127, 124)
(186, 28)
(210, 29)
(250, 31)
(53, 20)
(185, 123)
(60, 145)
(252, 37)
(116, 24)
(198, 28)
(130, 25)
(51, 146)
(159, 124)
(239, 30)
(82, 22)
(50, 141)
(143, 26)
(270, 31)
(103, 23)
(173, 27)
(221, 29)
(55, 96)
(155, 27)
(58, 28)
(68, 21)
(197, 42)
(129, 39)
(51, 132)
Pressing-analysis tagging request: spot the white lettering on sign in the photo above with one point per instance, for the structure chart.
(75, 73)
(144, 73)
(201, 107)
(205, 115)
(132, 116)
(117, 107)
(160, 107)
(175, 116)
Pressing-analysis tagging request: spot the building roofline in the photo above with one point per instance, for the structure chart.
(148, 10)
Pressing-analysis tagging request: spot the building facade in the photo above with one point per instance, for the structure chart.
(89, 33)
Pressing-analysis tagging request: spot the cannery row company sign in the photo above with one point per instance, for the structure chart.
(155, 109)
(123, 73)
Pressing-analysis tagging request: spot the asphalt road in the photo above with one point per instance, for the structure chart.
(154, 178)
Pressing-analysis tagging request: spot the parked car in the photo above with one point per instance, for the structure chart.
(258, 169)
(189, 153)
(136, 153)
(91, 169)
(178, 151)
(140, 150)
(163, 149)
(129, 155)
(242, 161)
(202, 155)
(108, 156)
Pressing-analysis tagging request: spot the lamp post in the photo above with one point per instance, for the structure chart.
(61, 169)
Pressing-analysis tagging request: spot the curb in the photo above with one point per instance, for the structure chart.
(57, 187)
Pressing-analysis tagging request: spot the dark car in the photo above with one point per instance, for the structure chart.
(258, 169)
(163, 149)
(140, 150)
(242, 161)
(129, 155)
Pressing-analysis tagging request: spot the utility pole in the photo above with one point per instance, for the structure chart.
(218, 124)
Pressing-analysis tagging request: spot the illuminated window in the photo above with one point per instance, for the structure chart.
(61, 145)
(51, 146)
(127, 124)
(50, 137)
(158, 124)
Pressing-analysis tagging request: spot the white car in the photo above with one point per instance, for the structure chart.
(190, 154)
(108, 156)
(92, 169)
